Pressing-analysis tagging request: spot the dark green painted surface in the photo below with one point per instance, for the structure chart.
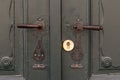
(37, 9)
(55, 40)
(111, 34)
(5, 22)
(27, 11)
(59, 17)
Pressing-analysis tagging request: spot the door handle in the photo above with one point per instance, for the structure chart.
(78, 26)
(30, 26)
(38, 24)
(77, 54)
(39, 52)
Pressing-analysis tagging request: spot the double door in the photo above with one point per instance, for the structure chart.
(59, 17)
(52, 39)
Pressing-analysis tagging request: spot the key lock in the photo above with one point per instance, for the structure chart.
(39, 53)
(77, 54)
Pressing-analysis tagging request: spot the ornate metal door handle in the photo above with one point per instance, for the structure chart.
(77, 54)
(39, 52)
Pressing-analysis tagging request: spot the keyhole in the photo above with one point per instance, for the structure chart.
(68, 45)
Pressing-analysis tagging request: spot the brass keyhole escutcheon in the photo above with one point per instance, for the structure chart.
(68, 45)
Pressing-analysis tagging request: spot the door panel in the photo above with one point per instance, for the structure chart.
(71, 11)
(111, 35)
(37, 9)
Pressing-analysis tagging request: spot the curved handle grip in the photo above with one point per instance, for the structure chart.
(93, 27)
(30, 26)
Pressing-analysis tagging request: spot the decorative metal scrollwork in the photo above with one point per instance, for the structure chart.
(6, 63)
(39, 56)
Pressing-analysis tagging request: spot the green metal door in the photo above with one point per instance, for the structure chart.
(51, 39)
(39, 29)
(59, 17)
